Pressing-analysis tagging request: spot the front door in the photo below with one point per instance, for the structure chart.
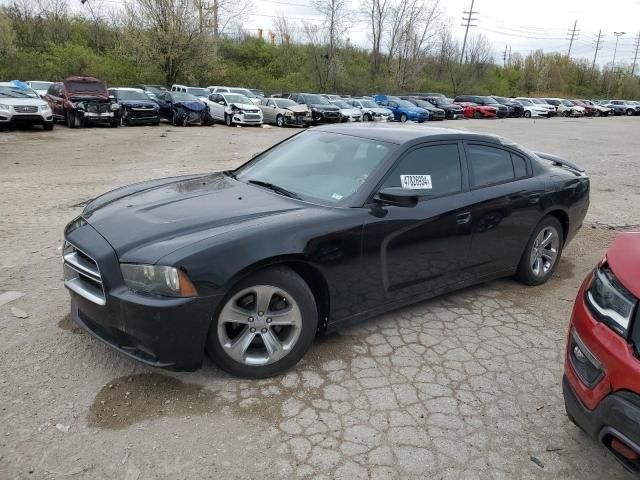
(424, 249)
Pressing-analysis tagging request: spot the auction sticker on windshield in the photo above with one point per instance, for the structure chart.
(416, 182)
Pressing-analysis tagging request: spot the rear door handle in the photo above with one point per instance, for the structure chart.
(463, 218)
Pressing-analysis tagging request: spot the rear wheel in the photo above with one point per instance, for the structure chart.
(629, 112)
(266, 324)
(542, 254)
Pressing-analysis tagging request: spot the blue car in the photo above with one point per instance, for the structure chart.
(135, 107)
(402, 109)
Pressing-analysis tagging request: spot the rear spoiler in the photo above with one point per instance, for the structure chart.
(561, 162)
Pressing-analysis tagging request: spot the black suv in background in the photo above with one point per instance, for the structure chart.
(451, 110)
(322, 110)
(515, 108)
(503, 110)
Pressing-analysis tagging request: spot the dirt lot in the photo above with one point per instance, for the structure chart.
(464, 386)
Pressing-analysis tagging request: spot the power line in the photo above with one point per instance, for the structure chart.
(469, 18)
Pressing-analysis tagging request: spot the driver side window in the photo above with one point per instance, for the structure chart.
(441, 163)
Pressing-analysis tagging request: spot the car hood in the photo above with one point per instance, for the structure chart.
(191, 105)
(147, 221)
(297, 109)
(624, 260)
(320, 106)
(380, 110)
(245, 106)
(23, 101)
(138, 103)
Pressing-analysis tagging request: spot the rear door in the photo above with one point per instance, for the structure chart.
(505, 207)
(422, 249)
(269, 112)
(55, 101)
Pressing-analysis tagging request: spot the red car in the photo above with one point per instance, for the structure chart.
(601, 382)
(472, 110)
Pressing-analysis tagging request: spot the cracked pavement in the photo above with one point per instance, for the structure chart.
(466, 385)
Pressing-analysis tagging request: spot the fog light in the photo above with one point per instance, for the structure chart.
(585, 364)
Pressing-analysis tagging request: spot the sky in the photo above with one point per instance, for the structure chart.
(525, 25)
(522, 25)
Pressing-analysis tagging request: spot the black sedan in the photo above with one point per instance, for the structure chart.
(136, 108)
(330, 226)
(184, 109)
(516, 109)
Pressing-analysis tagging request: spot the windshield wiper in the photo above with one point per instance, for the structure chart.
(275, 188)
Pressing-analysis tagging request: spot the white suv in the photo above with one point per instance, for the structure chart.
(21, 105)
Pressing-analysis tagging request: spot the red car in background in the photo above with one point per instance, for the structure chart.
(601, 383)
(472, 110)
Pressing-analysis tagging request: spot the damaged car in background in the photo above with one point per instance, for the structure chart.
(79, 100)
(371, 111)
(181, 108)
(135, 107)
(284, 112)
(234, 109)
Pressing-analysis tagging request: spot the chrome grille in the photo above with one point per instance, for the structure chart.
(26, 109)
(82, 275)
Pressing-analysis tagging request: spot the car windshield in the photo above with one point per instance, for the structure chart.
(315, 100)
(198, 92)
(368, 103)
(567, 103)
(491, 101)
(442, 101)
(184, 97)
(341, 104)
(79, 86)
(40, 85)
(537, 101)
(15, 92)
(404, 103)
(526, 102)
(243, 91)
(131, 95)
(284, 103)
(322, 166)
(237, 98)
(154, 90)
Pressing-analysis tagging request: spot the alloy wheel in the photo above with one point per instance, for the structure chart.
(544, 252)
(259, 325)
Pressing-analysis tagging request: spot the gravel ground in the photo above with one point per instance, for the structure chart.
(463, 386)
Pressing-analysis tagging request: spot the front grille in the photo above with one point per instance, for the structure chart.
(82, 275)
(331, 114)
(98, 108)
(26, 109)
(251, 116)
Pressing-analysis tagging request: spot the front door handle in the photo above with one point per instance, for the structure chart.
(534, 198)
(463, 218)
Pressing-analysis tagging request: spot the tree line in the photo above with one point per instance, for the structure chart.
(198, 42)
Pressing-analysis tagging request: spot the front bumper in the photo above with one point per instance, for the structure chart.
(25, 118)
(96, 117)
(247, 119)
(297, 120)
(159, 331)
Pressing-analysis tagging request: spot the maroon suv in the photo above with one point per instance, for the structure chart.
(78, 100)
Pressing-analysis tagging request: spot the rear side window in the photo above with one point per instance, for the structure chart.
(519, 166)
(489, 165)
(441, 163)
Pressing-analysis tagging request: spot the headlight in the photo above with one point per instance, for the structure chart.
(6, 108)
(45, 108)
(610, 302)
(115, 106)
(288, 114)
(157, 279)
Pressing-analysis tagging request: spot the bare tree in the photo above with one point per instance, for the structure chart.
(376, 13)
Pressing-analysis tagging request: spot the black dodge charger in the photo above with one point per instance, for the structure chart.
(330, 226)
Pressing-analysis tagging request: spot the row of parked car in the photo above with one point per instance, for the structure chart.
(79, 100)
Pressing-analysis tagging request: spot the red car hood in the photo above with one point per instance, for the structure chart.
(624, 260)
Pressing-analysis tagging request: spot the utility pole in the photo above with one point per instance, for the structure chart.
(635, 56)
(504, 56)
(595, 55)
(613, 65)
(573, 33)
(509, 59)
(468, 18)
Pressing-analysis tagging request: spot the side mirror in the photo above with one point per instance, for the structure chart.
(399, 197)
(112, 97)
(220, 102)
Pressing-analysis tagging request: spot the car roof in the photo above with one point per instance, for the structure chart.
(406, 133)
(130, 89)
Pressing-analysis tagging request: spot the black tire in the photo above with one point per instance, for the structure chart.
(366, 118)
(525, 273)
(527, 114)
(566, 113)
(48, 126)
(280, 121)
(70, 119)
(596, 113)
(228, 120)
(403, 118)
(629, 112)
(115, 122)
(477, 115)
(297, 288)
(124, 119)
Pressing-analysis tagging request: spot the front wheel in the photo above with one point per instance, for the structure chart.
(280, 121)
(527, 114)
(366, 118)
(629, 112)
(265, 325)
(477, 115)
(403, 118)
(47, 126)
(542, 254)
(228, 120)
